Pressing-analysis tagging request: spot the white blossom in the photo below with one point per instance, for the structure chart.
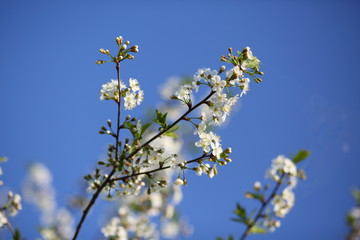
(3, 219)
(134, 84)
(115, 230)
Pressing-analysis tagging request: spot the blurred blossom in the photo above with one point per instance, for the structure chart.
(57, 223)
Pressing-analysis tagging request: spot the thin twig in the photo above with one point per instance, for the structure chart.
(263, 206)
(157, 169)
(103, 185)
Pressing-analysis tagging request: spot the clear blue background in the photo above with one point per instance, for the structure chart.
(50, 108)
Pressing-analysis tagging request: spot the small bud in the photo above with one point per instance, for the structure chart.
(222, 163)
(100, 62)
(301, 174)
(119, 40)
(109, 122)
(179, 181)
(257, 186)
(228, 150)
(277, 223)
(222, 69)
(228, 160)
(162, 183)
(128, 117)
(258, 80)
(123, 47)
(223, 59)
(134, 48)
(249, 195)
(230, 50)
(129, 56)
(10, 194)
(127, 42)
(102, 50)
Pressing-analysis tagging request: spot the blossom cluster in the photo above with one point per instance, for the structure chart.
(12, 206)
(56, 222)
(138, 160)
(282, 198)
(284, 201)
(150, 216)
(353, 217)
(132, 95)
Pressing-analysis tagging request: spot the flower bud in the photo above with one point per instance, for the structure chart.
(223, 59)
(119, 40)
(179, 181)
(222, 69)
(102, 50)
(123, 47)
(127, 42)
(100, 62)
(301, 174)
(10, 194)
(228, 150)
(257, 186)
(134, 48)
(257, 80)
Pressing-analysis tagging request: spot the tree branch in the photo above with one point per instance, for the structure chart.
(263, 206)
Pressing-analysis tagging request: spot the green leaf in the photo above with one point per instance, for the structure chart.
(171, 134)
(301, 155)
(257, 230)
(143, 128)
(240, 211)
(17, 235)
(160, 119)
(356, 195)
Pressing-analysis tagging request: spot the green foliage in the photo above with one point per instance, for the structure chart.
(17, 235)
(161, 119)
(171, 132)
(240, 212)
(257, 230)
(301, 155)
(231, 237)
(356, 195)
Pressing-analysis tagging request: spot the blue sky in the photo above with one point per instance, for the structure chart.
(50, 108)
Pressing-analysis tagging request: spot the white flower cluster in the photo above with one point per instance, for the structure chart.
(12, 205)
(284, 201)
(57, 223)
(132, 95)
(138, 217)
(149, 216)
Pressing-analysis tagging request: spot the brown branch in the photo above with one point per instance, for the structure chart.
(157, 169)
(263, 206)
